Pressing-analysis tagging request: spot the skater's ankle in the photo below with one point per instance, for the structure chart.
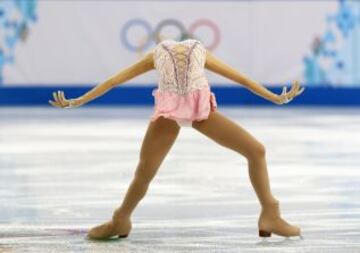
(270, 202)
(120, 215)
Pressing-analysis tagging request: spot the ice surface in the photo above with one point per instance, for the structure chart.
(64, 171)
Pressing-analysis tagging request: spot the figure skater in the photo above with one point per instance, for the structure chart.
(183, 98)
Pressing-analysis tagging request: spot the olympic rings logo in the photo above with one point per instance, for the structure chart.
(156, 35)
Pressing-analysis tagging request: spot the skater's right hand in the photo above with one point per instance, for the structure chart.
(286, 97)
(62, 102)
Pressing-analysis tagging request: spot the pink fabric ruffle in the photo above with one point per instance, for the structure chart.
(192, 106)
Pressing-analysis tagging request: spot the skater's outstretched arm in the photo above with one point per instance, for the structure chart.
(214, 64)
(143, 65)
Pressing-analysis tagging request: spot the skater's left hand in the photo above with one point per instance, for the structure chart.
(62, 102)
(286, 97)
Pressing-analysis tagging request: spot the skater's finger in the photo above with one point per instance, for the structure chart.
(300, 91)
(60, 98)
(63, 99)
(55, 97)
(63, 96)
(294, 88)
(53, 103)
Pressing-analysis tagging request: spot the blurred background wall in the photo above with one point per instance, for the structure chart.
(74, 45)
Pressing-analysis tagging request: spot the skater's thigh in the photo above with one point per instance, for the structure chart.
(229, 134)
(159, 137)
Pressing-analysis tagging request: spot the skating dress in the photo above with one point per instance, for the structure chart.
(183, 93)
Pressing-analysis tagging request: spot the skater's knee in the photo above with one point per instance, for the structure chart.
(257, 151)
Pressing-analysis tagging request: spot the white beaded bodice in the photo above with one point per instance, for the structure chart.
(180, 65)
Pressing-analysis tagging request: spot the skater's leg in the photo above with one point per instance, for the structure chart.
(229, 134)
(159, 138)
(157, 142)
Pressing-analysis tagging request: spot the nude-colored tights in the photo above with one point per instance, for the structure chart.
(161, 135)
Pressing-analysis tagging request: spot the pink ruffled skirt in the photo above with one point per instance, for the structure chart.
(184, 109)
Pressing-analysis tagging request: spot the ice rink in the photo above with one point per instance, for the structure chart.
(64, 171)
